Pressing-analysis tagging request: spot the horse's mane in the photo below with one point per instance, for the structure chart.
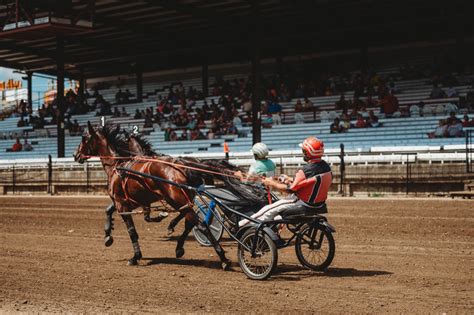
(145, 145)
(116, 137)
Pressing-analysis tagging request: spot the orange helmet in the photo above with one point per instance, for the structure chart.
(313, 148)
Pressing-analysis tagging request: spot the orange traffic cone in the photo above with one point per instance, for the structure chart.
(226, 150)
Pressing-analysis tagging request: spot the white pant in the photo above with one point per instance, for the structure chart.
(269, 212)
(276, 119)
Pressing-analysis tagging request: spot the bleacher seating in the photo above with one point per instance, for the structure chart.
(396, 133)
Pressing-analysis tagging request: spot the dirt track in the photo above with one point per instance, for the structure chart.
(410, 256)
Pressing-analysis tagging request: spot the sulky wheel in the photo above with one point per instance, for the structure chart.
(315, 248)
(265, 261)
(216, 229)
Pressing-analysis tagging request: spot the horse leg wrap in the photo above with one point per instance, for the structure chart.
(133, 234)
(109, 221)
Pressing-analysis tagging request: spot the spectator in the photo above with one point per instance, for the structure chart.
(148, 122)
(336, 126)
(267, 122)
(184, 135)
(466, 123)
(437, 92)
(138, 115)
(455, 129)
(308, 105)
(298, 106)
(119, 97)
(123, 113)
(440, 131)
(299, 118)
(16, 147)
(451, 107)
(21, 122)
(452, 92)
(116, 113)
(373, 119)
(389, 105)
(27, 146)
(360, 123)
(415, 110)
(232, 130)
(342, 104)
(126, 96)
(346, 122)
(452, 118)
(237, 122)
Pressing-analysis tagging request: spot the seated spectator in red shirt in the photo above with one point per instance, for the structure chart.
(360, 123)
(466, 123)
(16, 147)
(389, 104)
(298, 106)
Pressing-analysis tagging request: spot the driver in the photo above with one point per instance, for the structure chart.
(309, 188)
(262, 165)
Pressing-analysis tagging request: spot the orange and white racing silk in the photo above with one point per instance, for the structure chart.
(312, 183)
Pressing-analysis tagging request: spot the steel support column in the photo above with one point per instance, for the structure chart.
(82, 82)
(256, 98)
(205, 78)
(60, 94)
(139, 84)
(30, 89)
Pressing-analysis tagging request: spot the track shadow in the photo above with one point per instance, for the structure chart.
(297, 272)
(186, 262)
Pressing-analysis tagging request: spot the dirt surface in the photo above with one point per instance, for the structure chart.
(397, 256)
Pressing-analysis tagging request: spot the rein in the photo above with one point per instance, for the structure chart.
(148, 159)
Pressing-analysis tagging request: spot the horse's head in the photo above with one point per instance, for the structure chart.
(91, 141)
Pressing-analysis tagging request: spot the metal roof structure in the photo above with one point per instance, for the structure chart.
(164, 34)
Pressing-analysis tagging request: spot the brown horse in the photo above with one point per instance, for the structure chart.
(129, 192)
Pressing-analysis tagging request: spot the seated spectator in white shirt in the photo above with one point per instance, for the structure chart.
(27, 146)
(455, 129)
(299, 118)
(237, 122)
(414, 111)
(440, 131)
(451, 107)
(452, 92)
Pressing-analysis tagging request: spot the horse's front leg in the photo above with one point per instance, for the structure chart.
(148, 218)
(134, 238)
(109, 225)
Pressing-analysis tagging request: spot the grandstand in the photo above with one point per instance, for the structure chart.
(124, 51)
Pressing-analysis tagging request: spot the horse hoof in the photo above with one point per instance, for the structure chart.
(170, 231)
(132, 262)
(109, 240)
(179, 252)
(226, 265)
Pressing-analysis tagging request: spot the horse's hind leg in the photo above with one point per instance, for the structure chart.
(134, 238)
(109, 225)
(188, 226)
(175, 221)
